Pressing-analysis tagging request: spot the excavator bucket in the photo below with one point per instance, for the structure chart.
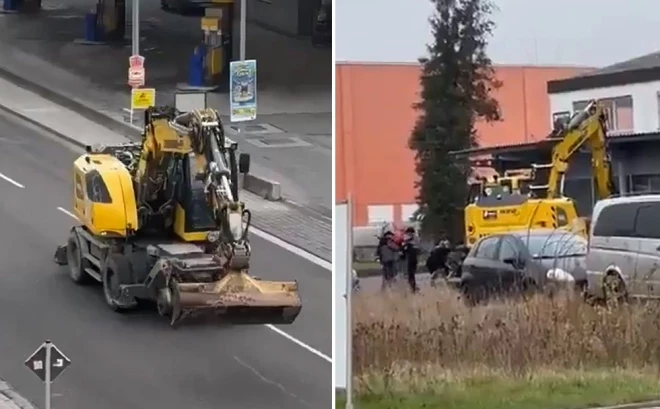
(236, 299)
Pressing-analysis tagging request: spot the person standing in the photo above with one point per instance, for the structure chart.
(410, 250)
(388, 254)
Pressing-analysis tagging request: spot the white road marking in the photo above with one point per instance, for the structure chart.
(293, 249)
(12, 181)
(68, 213)
(300, 343)
(269, 326)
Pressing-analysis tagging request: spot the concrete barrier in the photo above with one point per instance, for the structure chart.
(268, 189)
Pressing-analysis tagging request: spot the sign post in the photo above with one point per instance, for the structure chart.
(136, 72)
(48, 363)
(349, 303)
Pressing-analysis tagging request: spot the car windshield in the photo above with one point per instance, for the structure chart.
(555, 244)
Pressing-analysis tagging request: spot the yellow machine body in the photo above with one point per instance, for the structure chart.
(485, 219)
(103, 195)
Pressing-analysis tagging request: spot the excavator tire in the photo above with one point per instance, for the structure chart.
(117, 270)
(76, 261)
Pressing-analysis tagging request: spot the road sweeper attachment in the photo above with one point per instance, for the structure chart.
(184, 281)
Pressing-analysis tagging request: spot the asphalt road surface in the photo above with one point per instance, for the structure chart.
(137, 360)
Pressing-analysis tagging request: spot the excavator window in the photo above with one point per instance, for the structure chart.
(192, 198)
(97, 191)
(80, 195)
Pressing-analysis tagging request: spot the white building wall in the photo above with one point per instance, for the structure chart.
(646, 111)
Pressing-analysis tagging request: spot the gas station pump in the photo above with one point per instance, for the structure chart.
(210, 60)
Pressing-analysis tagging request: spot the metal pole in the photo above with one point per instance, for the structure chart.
(135, 36)
(243, 29)
(349, 303)
(47, 363)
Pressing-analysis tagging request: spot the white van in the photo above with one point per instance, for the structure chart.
(623, 257)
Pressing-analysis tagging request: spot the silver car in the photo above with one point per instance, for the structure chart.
(624, 247)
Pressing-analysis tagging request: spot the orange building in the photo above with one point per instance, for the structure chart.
(374, 119)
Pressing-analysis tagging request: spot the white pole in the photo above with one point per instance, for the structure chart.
(135, 37)
(349, 303)
(243, 29)
(47, 381)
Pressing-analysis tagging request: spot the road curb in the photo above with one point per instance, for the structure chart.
(341, 393)
(638, 405)
(10, 399)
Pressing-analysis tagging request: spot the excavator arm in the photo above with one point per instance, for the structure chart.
(589, 127)
(215, 161)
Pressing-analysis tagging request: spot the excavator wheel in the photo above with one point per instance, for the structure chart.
(76, 261)
(117, 270)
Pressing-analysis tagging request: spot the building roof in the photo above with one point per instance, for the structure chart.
(548, 143)
(637, 70)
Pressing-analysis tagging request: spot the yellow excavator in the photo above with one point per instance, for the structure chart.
(161, 221)
(543, 204)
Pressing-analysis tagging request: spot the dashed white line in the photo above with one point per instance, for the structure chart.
(269, 326)
(68, 213)
(12, 181)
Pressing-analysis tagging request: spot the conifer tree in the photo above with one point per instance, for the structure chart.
(457, 79)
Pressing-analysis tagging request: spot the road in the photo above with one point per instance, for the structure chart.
(137, 361)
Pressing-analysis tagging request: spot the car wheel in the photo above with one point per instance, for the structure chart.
(614, 289)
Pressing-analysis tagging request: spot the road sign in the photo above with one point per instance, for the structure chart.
(136, 61)
(243, 90)
(136, 72)
(143, 98)
(47, 355)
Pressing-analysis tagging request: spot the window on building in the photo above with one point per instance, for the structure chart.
(658, 98)
(644, 183)
(619, 112)
(560, 119)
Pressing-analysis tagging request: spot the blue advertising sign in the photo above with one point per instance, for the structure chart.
(243, 90)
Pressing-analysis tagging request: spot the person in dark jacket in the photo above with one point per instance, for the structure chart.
(436, 263)
(410, 251)
(388, 253)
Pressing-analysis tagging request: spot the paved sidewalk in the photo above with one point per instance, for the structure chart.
(295, 85)
(10, 399)
(310, 232)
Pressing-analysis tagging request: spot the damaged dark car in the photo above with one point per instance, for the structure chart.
(523, 262)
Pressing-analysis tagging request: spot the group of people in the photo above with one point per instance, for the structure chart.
(400, 250)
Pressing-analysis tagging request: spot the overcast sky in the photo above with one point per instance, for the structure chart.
(566, 32)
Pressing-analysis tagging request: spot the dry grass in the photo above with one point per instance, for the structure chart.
(403, 343)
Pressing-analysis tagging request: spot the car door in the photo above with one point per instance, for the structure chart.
(646, 281)
(510, 263)
(480, 267)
